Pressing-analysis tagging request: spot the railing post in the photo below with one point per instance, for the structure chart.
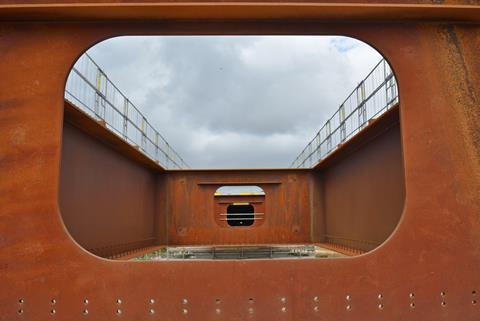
(329, 136)
(341, 116)
(98, 97)
(144, 137)
(166, 152)
(125, 117)
(310, 156)
(362, 113)
(156, 147)
(386, 82)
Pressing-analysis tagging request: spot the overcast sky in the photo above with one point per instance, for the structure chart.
(236, 102)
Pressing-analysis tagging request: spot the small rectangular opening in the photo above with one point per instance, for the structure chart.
(240, 214)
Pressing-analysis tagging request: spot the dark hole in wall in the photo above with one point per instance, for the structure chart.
(240, 215)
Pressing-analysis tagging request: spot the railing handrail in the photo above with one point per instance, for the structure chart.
(307, 154)
(142, 129)
(303, 157)
(131, 104)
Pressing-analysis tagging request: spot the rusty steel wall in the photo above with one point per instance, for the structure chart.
(427, 270)
(364, 193)
(107, 201)
(191, 207)
(112, 202)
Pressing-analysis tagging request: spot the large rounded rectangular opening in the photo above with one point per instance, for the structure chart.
(128, 192)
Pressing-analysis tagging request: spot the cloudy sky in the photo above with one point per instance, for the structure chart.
(236, 102)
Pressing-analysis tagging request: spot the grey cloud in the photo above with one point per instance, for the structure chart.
(236, 101)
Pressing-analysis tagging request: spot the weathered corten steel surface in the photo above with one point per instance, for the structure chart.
(112, 201)
(99, 131)
(107, 200)
(427, 270)
(395, 10)
(363, 187)
(191, 207)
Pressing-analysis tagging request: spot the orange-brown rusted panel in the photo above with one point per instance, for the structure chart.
(463, 10)
(102, 186)
(98, 130)
(93, 178)
(432, 258)
(191, 207)
(364, 193)
(107, 213)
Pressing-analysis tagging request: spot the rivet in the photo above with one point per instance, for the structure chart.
(21, 301)
(316, 308)
(85, 312)
(185, 311)
(316, 298)
(380, 296)
(85, 301)
(380, 306)
(444, 303)
(348, 297)
(119, 311)
(251, 300)
(284, 309)
(217, 311)
(283, 299)
(184, 301)
(152, 311)
(119, 301)
(52, 311)
(412, 305)
(474, 301)
(218, 301)
(474, 292)
(442, 293)
(411, 295)
(53, 301)
(20, 311)
(250, 310)
(152, 301)
(348, 307)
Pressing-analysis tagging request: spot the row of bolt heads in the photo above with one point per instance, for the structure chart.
(251, 301)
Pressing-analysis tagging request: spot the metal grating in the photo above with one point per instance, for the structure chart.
(239, 252)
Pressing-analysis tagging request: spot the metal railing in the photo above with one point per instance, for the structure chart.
(372, 97)
(89, 89)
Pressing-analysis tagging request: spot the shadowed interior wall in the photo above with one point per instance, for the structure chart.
(107, 201)
(363, 194)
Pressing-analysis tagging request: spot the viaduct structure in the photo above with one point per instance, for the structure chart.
(404, 191)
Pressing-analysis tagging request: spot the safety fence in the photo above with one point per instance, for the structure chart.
(372, 97)
(89, 89)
